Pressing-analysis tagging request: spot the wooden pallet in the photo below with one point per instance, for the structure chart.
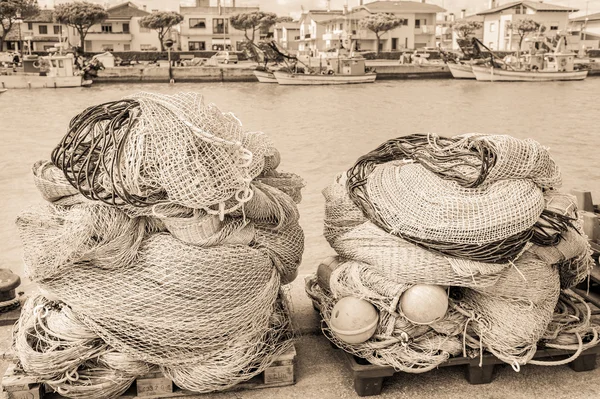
(155, 385)
(369, 378)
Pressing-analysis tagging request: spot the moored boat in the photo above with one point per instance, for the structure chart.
(491, 74)
(265, 76)
(461, 70)
(3, 90)
(345, 70)
(285, 78)
(56, 71)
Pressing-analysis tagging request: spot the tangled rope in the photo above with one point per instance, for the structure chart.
(474, 214)
(164, 245)
(475, 173)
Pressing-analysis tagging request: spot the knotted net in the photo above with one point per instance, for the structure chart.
(476, 214)
(167, 252)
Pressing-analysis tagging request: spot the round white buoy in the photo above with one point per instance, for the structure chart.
(424, 303)
(353, 320)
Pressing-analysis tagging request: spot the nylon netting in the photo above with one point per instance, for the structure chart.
(477, 214)
(159, 249)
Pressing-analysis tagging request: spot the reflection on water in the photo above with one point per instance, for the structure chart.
(320, 131)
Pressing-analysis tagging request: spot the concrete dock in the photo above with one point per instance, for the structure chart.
(242, 72)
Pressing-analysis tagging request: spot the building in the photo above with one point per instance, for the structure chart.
(287, 35)
(416, 31)
(40, 33)
(121, 31)
(497, 35)
(207, 27)
(587, 30)
(312, 29)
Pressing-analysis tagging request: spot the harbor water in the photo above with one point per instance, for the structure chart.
(320, 131)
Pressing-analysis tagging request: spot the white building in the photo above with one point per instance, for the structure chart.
(587, 30)
(122, 31)
(417, 30)
(206, 26)
(497, 35)
(41, 32)
(313, 30)
(287, 35)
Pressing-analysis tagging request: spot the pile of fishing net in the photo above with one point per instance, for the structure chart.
(164, 244)
(453, 246)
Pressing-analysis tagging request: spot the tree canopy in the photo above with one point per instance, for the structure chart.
(162, 22)
(465, 29)
(253, 21)
(285, 18)
(525, 26)
(81, 15)
(380, 23)
(10, 10)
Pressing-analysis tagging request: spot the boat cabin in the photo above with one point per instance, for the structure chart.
(347, 66)
(61, 65)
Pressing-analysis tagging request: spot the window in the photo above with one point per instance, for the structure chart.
(553, 27)
(43, 29)
(29, 25)
(126, 47)
(57, 29)
(106, 28)
(197, 23)
(493, 27)
(519, 10)
(417, 23)
(394, 44)
(341, 26)
(197, 46)
(220, 25)
(125, 28)
(405, 22)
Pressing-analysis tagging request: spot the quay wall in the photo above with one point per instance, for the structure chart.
(244, 74)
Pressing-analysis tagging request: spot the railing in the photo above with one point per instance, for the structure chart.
(425, 29)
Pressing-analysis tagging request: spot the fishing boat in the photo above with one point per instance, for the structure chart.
(461, 70)
(345, 70)
(492, 74)
(55, 71)
(3, 90)
(538, 65)
(264, 76)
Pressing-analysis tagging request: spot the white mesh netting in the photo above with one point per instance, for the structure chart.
(178, 267)
(470, 190)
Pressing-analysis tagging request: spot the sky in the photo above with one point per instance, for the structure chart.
(293, 7)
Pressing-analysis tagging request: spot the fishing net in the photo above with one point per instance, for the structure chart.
(453, 200)
(163, 252)
(476, 214)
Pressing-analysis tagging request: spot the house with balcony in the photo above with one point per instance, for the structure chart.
(121, 31)
(287, 35)
(39, 32)
(416, 31)
(496, 21)
(207, 27)
(313, 28)
(587, 30)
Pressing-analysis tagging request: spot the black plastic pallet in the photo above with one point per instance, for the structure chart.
(369, 378)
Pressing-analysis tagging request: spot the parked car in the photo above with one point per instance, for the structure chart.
(225, 57)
